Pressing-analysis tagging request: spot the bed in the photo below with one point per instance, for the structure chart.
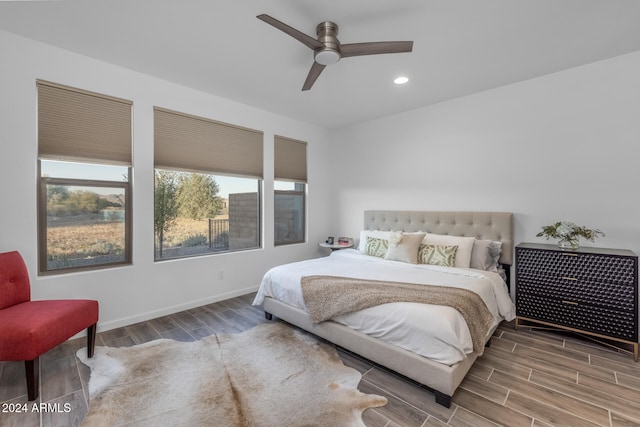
(417, 337)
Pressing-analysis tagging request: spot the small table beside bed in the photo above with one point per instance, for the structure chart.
(421, 295)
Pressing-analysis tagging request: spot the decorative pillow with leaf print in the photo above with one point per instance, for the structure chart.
(437, 255)
(376, 247)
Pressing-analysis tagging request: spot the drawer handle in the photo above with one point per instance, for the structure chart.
(569, 278)
(569, 302)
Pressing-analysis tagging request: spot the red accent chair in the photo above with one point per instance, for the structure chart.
(31, 328)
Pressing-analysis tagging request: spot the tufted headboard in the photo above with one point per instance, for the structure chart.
(481, 225)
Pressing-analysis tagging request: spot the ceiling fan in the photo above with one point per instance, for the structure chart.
(327, 48)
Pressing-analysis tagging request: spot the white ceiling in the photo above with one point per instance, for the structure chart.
(220, 47)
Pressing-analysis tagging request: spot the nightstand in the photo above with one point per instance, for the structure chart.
(335, 246)
(592, 291)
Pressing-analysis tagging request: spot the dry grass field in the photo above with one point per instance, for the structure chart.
(66, 240)
(89, 236)
(183, 229)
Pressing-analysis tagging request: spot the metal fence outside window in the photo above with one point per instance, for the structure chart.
(219, 233)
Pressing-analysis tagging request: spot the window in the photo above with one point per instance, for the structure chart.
(289, 212)
(197, 214)
(84, 219)
(84, 197)
(289, 190)
(208, 179)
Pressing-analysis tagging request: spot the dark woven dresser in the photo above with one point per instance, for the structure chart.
(592, 291)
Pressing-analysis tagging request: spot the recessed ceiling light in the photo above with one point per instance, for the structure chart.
(401, 80)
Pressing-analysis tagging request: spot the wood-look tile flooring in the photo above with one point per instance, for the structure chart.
(525, 378)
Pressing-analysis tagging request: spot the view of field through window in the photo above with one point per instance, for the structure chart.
(85, 214)
(194, 213)
(197, 213)
(84, 227)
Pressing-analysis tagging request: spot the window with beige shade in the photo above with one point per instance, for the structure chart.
(290, 172)
(208, 186)
(84, 163)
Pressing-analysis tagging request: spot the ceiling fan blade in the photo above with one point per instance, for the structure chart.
(314, 72)
(300, 36)
(374, 48)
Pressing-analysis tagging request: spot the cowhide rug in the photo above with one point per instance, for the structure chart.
(271, 375)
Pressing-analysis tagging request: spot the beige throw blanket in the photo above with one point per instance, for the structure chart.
(330, 296)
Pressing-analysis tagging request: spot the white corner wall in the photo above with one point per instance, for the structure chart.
(146, 289)
(560, 147)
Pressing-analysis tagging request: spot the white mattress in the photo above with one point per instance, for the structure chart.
(436, 332)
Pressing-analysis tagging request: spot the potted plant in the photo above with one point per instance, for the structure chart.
(569, 234)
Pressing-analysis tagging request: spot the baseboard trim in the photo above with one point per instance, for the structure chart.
(125, 321)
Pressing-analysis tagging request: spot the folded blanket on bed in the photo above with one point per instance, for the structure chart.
(330, 296)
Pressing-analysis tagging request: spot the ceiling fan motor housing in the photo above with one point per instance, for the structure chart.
(327, 35)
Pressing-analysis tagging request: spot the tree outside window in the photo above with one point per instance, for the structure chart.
(198, 214)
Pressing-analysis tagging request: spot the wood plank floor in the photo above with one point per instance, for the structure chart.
(525, 378)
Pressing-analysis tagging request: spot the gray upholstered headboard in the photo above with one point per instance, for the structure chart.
(481, 225)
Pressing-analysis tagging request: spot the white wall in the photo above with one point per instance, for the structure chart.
(560, 147)
(146, 289)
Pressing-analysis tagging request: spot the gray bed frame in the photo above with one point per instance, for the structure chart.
(442, 379)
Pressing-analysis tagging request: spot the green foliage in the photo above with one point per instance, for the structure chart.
(56, 194)
(198, 196)
(187, 195)
(221, 239)
(165, 204)
(84, 201)
(569, 231)
(194, 240)
(62, 201)
(184, 195)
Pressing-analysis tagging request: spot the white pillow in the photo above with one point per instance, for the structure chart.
(371, 233)
(464, 244)
(404, 247)
(485, 255)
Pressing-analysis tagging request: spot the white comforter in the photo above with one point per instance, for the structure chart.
(437, 332)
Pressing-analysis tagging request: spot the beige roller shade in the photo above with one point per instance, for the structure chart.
(197, 144)
(74, 124)
(290, 159)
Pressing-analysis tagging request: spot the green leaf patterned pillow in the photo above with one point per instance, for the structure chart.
(376, 247)
(437, 255)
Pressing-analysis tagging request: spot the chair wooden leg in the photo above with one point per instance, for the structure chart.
(32, 368)
(91, 340)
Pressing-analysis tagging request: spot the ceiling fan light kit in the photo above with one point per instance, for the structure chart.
(327, 49)
(326, 56)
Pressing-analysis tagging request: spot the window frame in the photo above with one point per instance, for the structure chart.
(302, 193)
(290, 165)
(43, 245)
(259, 218)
